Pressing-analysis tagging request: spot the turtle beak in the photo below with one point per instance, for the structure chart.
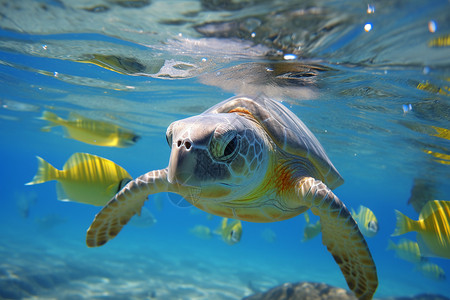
(181, 162)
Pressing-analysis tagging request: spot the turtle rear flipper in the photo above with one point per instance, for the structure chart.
(125, 204)
(342, 237)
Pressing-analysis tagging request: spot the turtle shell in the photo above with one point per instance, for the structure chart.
(287, 131)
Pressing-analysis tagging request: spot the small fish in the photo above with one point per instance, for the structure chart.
(144, 220)
(50, 221)
(18, 106)
(24, 201)
(431, 270)
(202, 232)
(311, 230)
(231, 233)
(269, 235)
(407, 250)
(99, 133)
(85, 178)
(366, 220)
(433, 228)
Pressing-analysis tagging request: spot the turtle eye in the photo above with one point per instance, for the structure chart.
(224, 145)
(231, 147)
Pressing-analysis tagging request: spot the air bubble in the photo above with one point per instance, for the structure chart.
(368, 27)
(432, 26)
(290, 56)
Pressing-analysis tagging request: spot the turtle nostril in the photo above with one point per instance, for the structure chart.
(187, 145)
(179, 143)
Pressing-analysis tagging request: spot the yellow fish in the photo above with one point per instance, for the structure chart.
(407, 250)
(85, 178)
(433, 228)
(434, 89)
(440, 41)
(231, 233)
(366, 220)
(202, 232)
(443, 133)
(311, 230)
(121, 65)
(431, 270)
(90, 131)
(444, 158)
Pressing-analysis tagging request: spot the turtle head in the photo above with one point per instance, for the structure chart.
(219, 156)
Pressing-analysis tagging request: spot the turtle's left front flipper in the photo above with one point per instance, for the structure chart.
(125, 204)
(342, 237)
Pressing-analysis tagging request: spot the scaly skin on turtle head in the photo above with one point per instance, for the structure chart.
(217, 157)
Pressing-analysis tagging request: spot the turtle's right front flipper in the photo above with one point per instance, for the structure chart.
(341, 235)
(125, 204)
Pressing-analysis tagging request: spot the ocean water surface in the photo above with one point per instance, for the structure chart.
(370, 79)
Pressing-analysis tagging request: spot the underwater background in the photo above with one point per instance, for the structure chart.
(369, 78)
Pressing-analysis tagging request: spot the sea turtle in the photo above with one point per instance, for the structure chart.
(250, 159)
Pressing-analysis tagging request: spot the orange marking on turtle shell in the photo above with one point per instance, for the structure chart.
(241, 111)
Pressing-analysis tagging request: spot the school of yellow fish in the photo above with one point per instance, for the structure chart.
(432, 227)
(365, 218)
(90, 179)
(230, 233)
(433, 235)
(433, 238)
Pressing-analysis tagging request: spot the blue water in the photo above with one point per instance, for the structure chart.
(355, 108)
